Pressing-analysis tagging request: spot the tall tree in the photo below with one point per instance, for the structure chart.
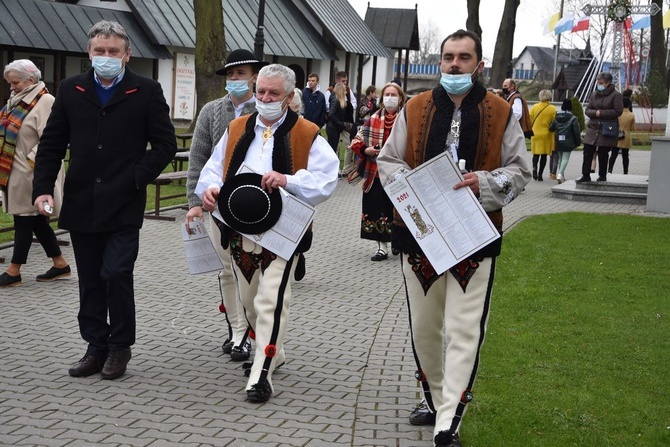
(657, 51)
(210, 51)
(502, 54)
(472, 22)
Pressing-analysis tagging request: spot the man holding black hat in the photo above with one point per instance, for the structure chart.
(289, 153)
(240, 70)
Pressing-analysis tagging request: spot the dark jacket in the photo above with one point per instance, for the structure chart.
(567, 134)
(336, 114)
(315, 106)
(110, 166)
(610, 104)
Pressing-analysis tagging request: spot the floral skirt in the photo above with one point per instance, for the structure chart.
(377, 217)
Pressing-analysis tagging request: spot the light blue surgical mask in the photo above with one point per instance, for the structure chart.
(107, 67)
(601, 88)
(237, 88)
(457, 84)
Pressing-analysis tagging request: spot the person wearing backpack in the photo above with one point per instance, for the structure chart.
(567, 136)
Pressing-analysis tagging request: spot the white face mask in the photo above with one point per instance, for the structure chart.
(391, 103)
(271, 111)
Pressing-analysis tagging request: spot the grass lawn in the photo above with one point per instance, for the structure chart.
(578, 351)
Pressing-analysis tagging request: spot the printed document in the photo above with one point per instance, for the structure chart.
(449, 225)
(201, 256)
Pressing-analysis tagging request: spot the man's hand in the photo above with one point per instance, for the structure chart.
(41, 200)
(194, 213)
(348, 126)
(210, 197)
(273, 180)
(469, 179)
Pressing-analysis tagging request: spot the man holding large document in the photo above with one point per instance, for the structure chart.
(449, 311)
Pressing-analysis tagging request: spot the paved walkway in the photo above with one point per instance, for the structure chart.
(348, 380)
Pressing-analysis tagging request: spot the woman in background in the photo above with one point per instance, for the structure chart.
(22, 121)
(626, 125)
(377, 216)
(542, 142)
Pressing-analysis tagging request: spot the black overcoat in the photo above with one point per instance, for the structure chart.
(110, 166)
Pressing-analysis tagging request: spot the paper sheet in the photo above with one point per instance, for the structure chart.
(201, 256)
(449, 225)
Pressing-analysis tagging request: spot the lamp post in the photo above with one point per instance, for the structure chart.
(259, 40)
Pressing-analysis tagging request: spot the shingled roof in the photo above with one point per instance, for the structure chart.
(286, 33)
(64, 27)
(346, 28)
(396, 28)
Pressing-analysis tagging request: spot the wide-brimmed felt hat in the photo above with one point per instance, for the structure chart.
(241, 57)
(246, 207)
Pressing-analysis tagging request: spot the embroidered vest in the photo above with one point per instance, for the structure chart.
(525, 123)
(291, 148)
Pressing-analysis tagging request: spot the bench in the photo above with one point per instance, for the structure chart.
(184, 137)
(165, 179)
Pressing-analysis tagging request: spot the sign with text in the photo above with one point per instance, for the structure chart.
(183, 99)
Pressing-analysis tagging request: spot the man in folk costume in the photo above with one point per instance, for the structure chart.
(240, 70)
(449, 312)
(290, 154)
(519, 106)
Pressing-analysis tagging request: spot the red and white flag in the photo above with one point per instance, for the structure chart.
(581, 24)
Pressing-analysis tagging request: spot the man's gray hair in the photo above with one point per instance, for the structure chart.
(279, 71)
(107, 29)
(25, 68)
(605, 76)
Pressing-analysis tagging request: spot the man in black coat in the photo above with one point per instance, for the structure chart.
(107, 117)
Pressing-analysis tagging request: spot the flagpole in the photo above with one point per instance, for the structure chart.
(558, 45)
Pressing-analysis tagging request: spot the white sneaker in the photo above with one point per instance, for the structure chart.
(560, 179)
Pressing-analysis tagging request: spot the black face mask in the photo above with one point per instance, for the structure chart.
(505, 91)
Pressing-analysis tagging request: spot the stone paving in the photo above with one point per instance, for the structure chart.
(348, 380)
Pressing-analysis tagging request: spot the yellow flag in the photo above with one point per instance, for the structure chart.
(666, 20)
(550, 23)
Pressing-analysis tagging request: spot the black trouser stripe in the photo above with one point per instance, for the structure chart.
(277, 318)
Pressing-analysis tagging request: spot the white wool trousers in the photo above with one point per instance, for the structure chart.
(237, 323)
(266, 300)
(448, 327)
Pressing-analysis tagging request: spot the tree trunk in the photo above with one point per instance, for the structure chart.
(502, 55)
(210, 52)
(657, 52)
(472, 23)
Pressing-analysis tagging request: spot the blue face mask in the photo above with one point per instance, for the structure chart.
(237, 88)
(601, 88)
(107, 67)
(457, 84)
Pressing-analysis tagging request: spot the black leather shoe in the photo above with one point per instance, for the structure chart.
(583, 179)
(54, 273)
(227, 346)
(7, 280)
(379, 256)
(602, 178)
(259, 393)
(87, 366)
(447, 439)
(534, 174)
(115, 366)
(241, 353)
(422, 415)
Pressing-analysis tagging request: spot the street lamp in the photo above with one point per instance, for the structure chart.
(259, 40)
